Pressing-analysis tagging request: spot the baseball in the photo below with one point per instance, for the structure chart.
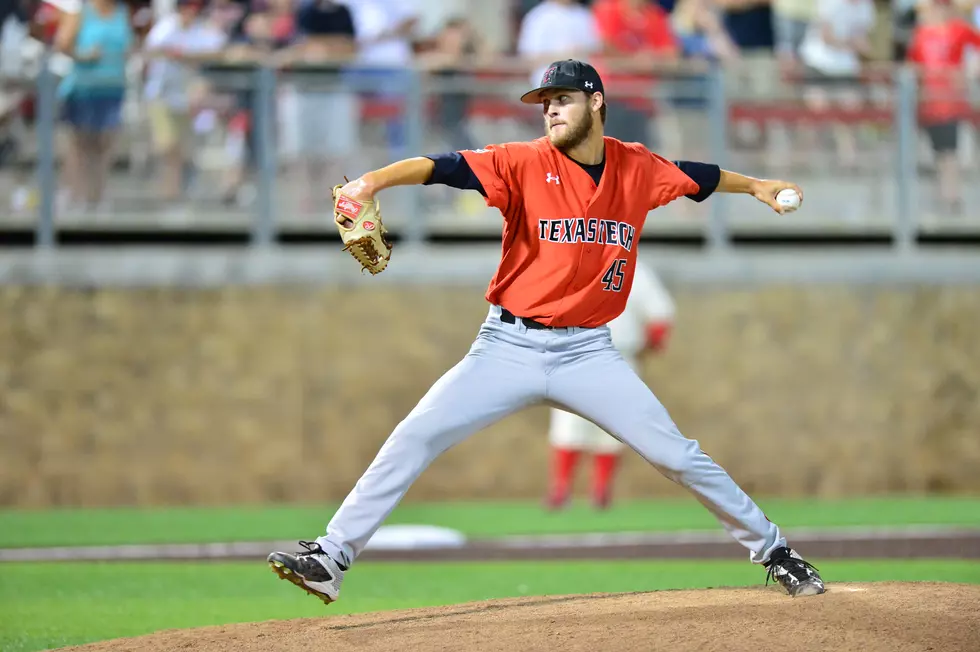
(789, 199)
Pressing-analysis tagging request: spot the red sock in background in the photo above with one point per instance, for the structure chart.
(564, 462)
(604, 466)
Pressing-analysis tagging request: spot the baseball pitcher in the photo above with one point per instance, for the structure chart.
(643, 327)
(573, 204)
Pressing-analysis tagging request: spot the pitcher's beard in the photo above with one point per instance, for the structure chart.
(574, 135)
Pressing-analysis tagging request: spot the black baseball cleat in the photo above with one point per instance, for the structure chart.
(311, 570)
(797, 576)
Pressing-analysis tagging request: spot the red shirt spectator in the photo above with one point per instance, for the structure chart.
(939, 48)
(629, 28)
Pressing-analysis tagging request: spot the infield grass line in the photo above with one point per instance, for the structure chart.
(85, 527)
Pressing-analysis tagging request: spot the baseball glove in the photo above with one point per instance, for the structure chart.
(362, 231)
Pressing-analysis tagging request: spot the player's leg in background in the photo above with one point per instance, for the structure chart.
(502, 373)
(596, 382)
(567, 434)
(572, 438)
(606, 451)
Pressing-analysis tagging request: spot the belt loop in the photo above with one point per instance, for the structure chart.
(518, 321)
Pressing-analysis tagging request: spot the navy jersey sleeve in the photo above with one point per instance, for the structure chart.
(706, 175)
(452, 170)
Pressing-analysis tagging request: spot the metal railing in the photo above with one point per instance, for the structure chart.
(762, 123)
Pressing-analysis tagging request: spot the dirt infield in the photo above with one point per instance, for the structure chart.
(887, 617)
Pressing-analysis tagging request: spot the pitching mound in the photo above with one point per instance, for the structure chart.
(867, 617)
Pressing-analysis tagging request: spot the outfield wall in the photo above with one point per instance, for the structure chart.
(245, 394)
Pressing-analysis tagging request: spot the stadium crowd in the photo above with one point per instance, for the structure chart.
(116, 51)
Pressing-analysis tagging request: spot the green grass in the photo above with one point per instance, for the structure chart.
(202, 525)
(51, 605)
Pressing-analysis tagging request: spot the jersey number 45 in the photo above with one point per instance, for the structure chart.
(612, 280)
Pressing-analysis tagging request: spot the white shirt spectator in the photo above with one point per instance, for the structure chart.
(845, 20)
(373, 19)
(168, 80)
(557, 30)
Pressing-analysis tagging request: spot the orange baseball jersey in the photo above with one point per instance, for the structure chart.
(569, 247)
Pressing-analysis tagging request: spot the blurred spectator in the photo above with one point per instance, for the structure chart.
(749, 22)
(271, 24)
(938, 46)
(702, 36)
(15, 63)
(701, 33)
(832, 51)
(903, 14)
(636, 37)
(266, 27)
(456, 45)
(321, 122)
(790, 20)
(100, 39)
(385, 31)
(14, 37)
(173, 46)
(554, 30)
(385, 40)
(48, 16)
(225, 15)
(13, 13)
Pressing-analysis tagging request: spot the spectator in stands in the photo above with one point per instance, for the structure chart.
(790, 21)
(225, 15)
(638, 40)
(749, 22)
(47, 17)
(456, 45)
(100, 39)
(903, 22)
(322, 121)
(386, 33)
(702, 37)
(832, 51)
(554, 30)
(271, 24)
(700, 31)
(265, 27)
(938, 47)
(173, 47)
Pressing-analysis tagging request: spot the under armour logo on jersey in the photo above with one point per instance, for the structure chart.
(553, 178)
(588, 84)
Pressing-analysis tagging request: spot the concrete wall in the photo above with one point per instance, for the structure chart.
(166, 396)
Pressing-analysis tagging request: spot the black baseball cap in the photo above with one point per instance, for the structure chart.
(569, 74)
